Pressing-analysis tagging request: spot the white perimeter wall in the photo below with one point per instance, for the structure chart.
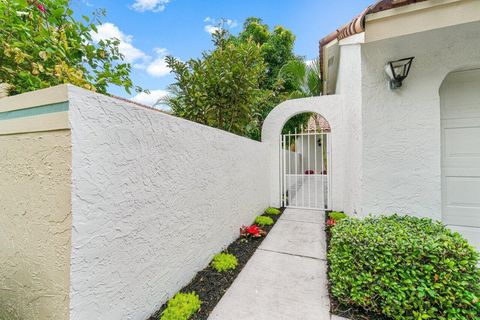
(401, 131)
(154, 198)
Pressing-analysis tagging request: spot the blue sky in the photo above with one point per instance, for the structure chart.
(150, 29)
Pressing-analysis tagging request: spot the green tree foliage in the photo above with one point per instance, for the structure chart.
(43, 44)
(235, 86)
(276, 47)
(288, 75)
(221, 89)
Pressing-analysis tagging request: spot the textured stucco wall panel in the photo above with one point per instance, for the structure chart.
(35, 221)
(349, 84)
(401, 131)
(154, 197)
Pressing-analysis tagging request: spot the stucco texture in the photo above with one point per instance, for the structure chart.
(401, 128)
(35, 221)
(154, 198)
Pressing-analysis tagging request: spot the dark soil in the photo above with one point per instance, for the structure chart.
(344, 310)
(210, 285)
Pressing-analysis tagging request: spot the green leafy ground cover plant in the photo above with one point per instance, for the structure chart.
(181, 307)
(272, 210)
(337, 215)
(404, 268)
(263, 221)
(224, 261)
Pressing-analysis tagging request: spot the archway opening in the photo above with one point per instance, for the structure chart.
(460, 141)
(305, 162)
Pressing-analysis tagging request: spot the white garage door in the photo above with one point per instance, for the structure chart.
(460, 112)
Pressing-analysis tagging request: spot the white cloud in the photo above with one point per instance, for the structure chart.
(214, 25)
(149, 5)
(211, 29)
(108, 31)
(231, 23)
(150, 99)
(158, 67)
(154, 66)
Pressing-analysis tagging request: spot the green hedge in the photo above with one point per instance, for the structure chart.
(405, 268)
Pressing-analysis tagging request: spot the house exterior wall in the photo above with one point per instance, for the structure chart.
(35, 215)
(401, 128)
(349, 85)
(154, 198)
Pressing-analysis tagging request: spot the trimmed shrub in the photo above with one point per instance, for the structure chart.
(224, 261)
(181, 307)
(263, 221)
(405, 268)
(337, 215)
(272, 211)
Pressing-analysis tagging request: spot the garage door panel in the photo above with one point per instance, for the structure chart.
(460, 106)
(459, 142)
(462, 191)
(462, 216)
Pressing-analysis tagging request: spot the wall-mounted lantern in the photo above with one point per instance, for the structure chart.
(397, 71)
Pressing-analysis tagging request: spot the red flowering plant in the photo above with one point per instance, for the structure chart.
(252, 231)
(331, 222)
(334, 217)
(40, 6)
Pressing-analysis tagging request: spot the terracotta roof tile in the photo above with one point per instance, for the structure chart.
(357, 25)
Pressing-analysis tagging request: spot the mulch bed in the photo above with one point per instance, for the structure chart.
(344, 310)
(211, 285)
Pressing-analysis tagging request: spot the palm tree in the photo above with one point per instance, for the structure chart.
(300, 79)
(303, 77)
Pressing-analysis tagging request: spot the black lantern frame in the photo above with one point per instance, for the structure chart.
(397, 71)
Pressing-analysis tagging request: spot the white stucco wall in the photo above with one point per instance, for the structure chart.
(154, 198)
(401, 128)
(310, 154)
(349, 84)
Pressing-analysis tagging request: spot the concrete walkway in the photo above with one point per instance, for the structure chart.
(286, 278)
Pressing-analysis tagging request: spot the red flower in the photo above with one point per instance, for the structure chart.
(252, 231)
(39, 6)
(331, 222)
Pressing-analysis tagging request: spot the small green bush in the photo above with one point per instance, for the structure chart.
(336, 215)
(181, 307)
(405, 268)
(263, 221)
(272, 211)
(224, 261)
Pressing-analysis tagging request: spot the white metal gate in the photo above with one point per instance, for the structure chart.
(305, 170)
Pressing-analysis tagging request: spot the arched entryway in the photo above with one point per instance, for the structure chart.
(329, 107)
(305, 162)
(460, 136)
